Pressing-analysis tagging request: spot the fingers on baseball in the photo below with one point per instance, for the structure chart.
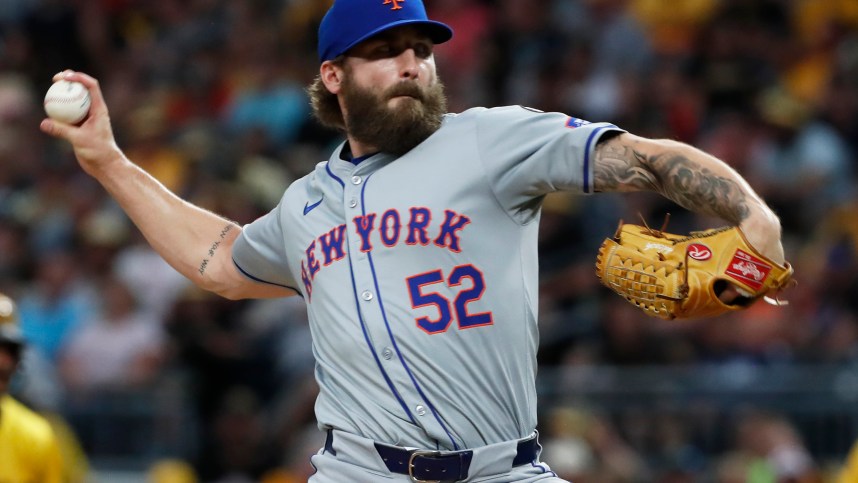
(91, 83)
(61, 74)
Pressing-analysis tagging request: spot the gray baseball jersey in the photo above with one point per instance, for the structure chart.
(420, 275)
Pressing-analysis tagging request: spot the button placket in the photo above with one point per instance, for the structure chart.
(373, 318)
(382, 341)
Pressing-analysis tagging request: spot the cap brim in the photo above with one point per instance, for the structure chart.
(438, 32)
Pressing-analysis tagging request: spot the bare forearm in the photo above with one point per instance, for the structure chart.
(189, 238)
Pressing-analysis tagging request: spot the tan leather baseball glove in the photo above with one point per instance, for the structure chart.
(678, 277)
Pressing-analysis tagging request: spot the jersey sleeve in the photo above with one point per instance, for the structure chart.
(528, 154)
(259, 251)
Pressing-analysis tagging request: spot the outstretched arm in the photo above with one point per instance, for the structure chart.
(693, 179)
(196, 242)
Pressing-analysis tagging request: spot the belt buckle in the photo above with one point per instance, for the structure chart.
(415, 454)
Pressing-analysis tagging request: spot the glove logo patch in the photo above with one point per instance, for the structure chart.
(748, 269)
(699, 252)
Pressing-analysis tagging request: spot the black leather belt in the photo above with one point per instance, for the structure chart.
(440, 466)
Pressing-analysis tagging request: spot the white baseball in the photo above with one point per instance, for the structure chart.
(67, 102)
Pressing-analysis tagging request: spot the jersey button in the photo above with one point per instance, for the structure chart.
(366, 295)
(352, 203)
(356, 180)
(420, 410)
(387, 353)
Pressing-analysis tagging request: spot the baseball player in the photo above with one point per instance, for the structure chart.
(28, 446)
(414, 247)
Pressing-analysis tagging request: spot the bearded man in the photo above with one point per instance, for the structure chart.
(414, 247)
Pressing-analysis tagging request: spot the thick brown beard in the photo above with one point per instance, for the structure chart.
(394, 130)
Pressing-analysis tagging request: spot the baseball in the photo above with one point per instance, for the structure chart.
(67, 102)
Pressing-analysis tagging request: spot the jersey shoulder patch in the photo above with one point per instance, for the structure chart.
(573, 122)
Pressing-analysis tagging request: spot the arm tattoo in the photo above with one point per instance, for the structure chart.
(618, 168)
(682, 180)
(696, 188)
(213, 249)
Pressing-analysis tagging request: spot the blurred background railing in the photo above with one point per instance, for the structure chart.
(672, 416)
(820, 401)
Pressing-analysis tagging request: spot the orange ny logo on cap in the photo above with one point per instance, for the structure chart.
(394, 2)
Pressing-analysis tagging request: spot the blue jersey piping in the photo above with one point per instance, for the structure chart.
(332, 175)
(372, 349)
(390, 332)
(587, 150)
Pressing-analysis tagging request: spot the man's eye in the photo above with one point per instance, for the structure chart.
(422, 51)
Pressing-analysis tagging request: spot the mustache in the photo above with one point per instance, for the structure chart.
(405, 88)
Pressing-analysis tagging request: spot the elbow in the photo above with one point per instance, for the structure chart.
(221, 283)
(227, 291)
(235, 287)
(231, 294)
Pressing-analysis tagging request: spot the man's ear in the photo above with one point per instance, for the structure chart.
(332, 76)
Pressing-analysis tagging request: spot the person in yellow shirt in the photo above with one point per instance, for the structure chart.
(28, 447)
(849, 472)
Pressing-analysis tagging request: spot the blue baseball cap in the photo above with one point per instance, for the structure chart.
(350, 22)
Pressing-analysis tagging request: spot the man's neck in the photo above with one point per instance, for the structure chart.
(359, 149)
(347, 155)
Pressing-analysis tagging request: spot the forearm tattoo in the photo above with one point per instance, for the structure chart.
(675, 176)
(213, 249)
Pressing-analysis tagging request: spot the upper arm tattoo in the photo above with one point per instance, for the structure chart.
(619, 168)
(687, 182)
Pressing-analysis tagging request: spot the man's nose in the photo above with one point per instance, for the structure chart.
(408, 64)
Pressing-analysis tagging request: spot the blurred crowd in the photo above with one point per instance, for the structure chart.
(208, 96)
